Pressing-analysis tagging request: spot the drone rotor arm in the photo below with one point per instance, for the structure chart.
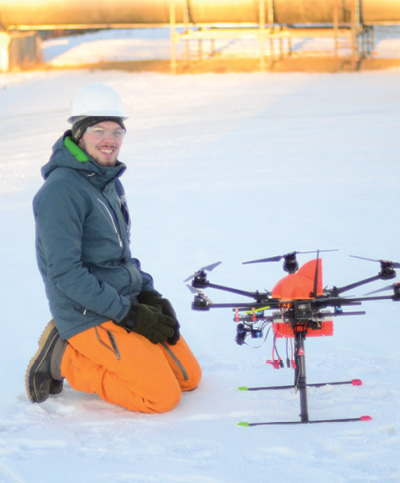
(345, 288)
(255, 295)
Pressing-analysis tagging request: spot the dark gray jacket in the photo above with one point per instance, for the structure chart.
(82, 241)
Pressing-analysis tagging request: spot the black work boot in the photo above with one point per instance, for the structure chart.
(43, 376)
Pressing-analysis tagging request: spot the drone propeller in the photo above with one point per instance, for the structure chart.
(290, 264)
(208, 268)
(382, 262)
(193, 289)
(393, 286)
(288, 255)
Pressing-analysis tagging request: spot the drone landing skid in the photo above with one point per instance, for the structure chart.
(354, 382)
(300, 384)
(343, 420)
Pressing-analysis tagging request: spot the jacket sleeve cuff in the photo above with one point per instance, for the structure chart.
(124, 311)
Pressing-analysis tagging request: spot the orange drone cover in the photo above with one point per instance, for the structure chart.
(283, 329)
(300, 285)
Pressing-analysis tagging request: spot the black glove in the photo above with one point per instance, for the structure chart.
(164, 306)
(149, 322)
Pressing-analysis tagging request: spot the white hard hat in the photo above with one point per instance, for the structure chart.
(96, 100)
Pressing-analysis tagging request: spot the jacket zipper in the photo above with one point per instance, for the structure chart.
(113, 222)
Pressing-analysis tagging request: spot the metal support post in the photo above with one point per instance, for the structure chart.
(372, 39)
(262, 35)
(354, 32)
(336, 29)
(200, 44)
(5, 40)
(186, 23)
(172, 25)
(271, 29)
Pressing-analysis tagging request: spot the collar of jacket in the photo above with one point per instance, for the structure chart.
(75, 150)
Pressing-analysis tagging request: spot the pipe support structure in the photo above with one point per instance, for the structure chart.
(349, 23)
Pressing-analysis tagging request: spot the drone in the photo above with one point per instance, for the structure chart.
(297, 307)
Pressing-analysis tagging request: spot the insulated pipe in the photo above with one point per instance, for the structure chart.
(15, 14)
(380, 12)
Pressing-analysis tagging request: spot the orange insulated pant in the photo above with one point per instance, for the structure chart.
(128, 370)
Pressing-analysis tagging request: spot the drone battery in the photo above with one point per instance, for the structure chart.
(283, 329)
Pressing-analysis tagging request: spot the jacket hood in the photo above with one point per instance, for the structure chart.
(66, 154)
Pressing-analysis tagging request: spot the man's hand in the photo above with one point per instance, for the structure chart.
(149, 322)
(164, 306)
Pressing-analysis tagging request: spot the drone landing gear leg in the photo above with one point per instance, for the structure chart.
(300, 379)
(300, 383)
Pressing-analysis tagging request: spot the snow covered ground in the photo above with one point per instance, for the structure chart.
(220, 167)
